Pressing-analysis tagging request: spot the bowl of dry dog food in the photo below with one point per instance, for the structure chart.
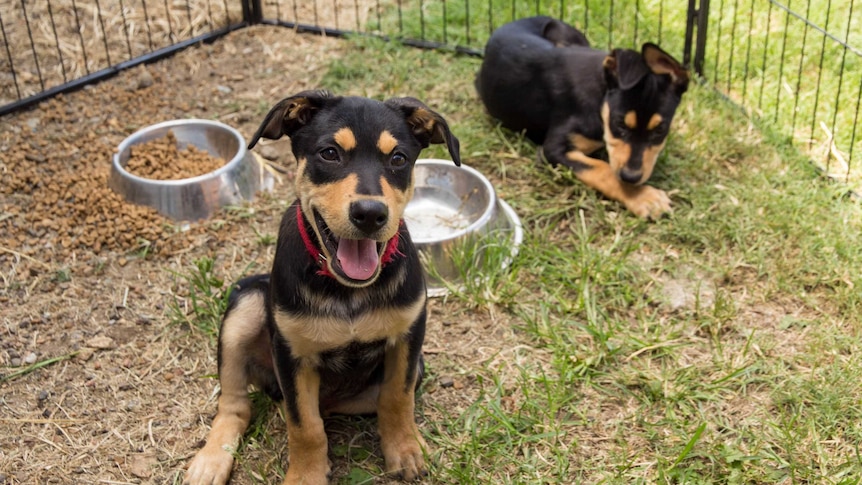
(187, 169)
(458, 224)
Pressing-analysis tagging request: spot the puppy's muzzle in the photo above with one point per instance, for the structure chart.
(369, 216)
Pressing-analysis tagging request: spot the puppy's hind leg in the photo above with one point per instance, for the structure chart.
(243, 342)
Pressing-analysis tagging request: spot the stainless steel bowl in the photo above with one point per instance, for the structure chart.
(454, 207)
(197, 197)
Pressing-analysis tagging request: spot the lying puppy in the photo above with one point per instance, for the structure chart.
(338, 325)
(540, 76)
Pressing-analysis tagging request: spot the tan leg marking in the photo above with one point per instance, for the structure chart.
(306, 440)
(213, 463)
(584, 144)
(403, 445)
(643, 200)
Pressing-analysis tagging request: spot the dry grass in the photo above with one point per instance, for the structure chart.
(128, 398)
(55, 41)
(51, 42)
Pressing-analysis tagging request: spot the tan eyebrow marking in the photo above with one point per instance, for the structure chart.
(345, 138)
(386, 143)
(631, 120)
(654, 121)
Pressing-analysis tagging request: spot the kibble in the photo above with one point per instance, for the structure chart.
(53, 209)
(162, 159)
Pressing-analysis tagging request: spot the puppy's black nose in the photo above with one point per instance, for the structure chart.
(369, 215)
(630, 176)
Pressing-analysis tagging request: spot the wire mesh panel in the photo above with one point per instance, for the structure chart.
(798, 65)
(795, 63)
(465, 25)
(334, 16)
(49, 45)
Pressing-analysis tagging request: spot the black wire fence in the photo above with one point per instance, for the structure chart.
(794, 64)
(798, 65)
(53, 46)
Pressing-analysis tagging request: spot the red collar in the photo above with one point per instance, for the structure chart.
(388, 254)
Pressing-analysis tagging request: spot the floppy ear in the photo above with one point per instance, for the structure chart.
(625, 68)
(290, 114)
(427, 126)
(660, 62)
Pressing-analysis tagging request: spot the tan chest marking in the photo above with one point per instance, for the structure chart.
(309, 336)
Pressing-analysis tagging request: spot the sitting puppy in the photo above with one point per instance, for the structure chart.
(540, 76)
(338, 324)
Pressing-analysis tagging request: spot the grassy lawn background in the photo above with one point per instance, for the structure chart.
(782, 61)
(719, 344)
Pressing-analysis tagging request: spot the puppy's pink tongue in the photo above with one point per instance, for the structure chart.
(358, 258)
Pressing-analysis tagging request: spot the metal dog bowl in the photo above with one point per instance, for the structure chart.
(197, 197)
(453, 207)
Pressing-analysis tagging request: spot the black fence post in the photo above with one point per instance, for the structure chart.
(690, 16)
(252, 11)
(700, 45)
(696, 22)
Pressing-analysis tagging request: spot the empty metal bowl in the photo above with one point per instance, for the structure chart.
(198, 197)
(453, 208)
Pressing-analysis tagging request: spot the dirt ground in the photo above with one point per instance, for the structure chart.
(120, 394)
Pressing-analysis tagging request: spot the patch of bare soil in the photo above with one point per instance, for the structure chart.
(86, 279)
(50, 42)
(121, 394)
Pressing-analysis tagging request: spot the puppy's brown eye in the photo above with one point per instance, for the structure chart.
(398, 160)
(329, 154)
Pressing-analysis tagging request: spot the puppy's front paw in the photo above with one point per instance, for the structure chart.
(648, 202)
(211, 466)
(306, 473)
(405, 455)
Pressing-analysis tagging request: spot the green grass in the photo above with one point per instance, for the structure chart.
(470, 23)
(496, 284)
(752, 378)
(24, 370)
(201, 298)
(790, 74)
(720, 344)
(777, 66)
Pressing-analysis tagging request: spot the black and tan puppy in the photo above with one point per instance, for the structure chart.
(338, 324)
(540, 76)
